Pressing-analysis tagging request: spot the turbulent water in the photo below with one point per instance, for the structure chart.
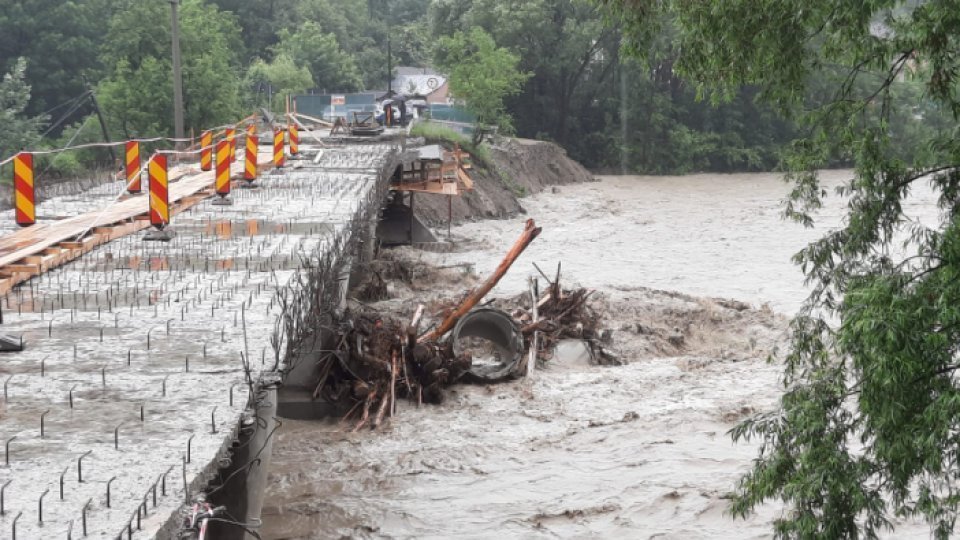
(580, 451)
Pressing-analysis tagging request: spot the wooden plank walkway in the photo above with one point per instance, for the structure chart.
(36, 249)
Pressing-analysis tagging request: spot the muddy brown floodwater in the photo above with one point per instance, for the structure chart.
(582, 451)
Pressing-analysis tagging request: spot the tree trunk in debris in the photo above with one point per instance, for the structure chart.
(530, 232)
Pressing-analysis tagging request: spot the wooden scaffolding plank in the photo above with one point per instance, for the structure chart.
(120, 218)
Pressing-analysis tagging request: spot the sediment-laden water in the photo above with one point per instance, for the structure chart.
(581, 451)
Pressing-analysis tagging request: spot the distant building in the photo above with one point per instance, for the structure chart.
(425, 82)
(425, 93)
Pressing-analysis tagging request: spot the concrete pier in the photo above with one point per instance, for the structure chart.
(144, 360)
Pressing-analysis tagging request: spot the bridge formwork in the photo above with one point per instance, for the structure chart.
(151, 366)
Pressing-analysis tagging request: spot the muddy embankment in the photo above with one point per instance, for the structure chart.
(517, 168)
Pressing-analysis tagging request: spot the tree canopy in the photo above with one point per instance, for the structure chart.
(868, 427)
(608, 110)
(20, 130)
(284, 76)
(312, 48)
(137, 93)
(482, 74)
(60, 42)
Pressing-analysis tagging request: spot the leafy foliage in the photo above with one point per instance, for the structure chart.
(137, 95)
(563, 44)
(283, 75)
(19, 129)
(76, 162)
(606, 110)
(481, 74)
(311, 48)
(60, 41)
(867, 428)
(437, 133)
(260, 22)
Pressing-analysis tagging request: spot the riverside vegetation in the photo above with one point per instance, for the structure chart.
(564, 76)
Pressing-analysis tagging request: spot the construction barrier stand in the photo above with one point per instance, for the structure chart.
(159, 198)
(223, 168)
(294, 139)
(232, 139)
(279, 159)
(133, 167)
(250, 170)
(206, 151)
(23, 189)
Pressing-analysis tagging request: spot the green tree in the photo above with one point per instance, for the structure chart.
(309, 46)
(566, 48)
(283, 75)
(363, 30)
(19, 130)
(481, 74)
(260, 22)
(668, 130)
(348, 20)
(60, 41)
(869, 425)
(138, 94)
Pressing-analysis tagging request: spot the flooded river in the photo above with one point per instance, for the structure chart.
(580, 451)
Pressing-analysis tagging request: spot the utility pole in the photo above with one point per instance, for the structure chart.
(177, 75)
(103, 124)
(389, 68)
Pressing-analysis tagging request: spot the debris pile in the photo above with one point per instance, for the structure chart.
(378, 358)
(564, 314)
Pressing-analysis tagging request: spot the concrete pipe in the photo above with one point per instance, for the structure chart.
(502, 351)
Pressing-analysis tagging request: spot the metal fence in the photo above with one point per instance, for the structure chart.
(319, 105)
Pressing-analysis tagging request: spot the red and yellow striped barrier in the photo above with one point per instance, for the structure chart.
(23, 188)
(279, 159)
(206, 151)
(133, 167)
(252, 128)
(294, 139)
(250, 169)
(223, 168)
(232, 139)
(159, 196)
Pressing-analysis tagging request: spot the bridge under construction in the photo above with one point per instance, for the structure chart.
(141, 373)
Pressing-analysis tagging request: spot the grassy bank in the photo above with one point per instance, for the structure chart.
(480, 154)
(438, 134)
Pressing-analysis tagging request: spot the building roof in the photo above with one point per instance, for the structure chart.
(423, 85)
(417, 80)
(403, 71)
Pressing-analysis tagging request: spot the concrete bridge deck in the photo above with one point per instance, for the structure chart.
(135, 349)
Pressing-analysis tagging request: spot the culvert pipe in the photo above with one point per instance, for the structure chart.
(499, 329)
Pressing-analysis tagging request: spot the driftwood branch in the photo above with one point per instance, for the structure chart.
(414, 327)
(530, 232)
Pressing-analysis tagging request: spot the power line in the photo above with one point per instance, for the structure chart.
(81, 96)
(77, 103)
